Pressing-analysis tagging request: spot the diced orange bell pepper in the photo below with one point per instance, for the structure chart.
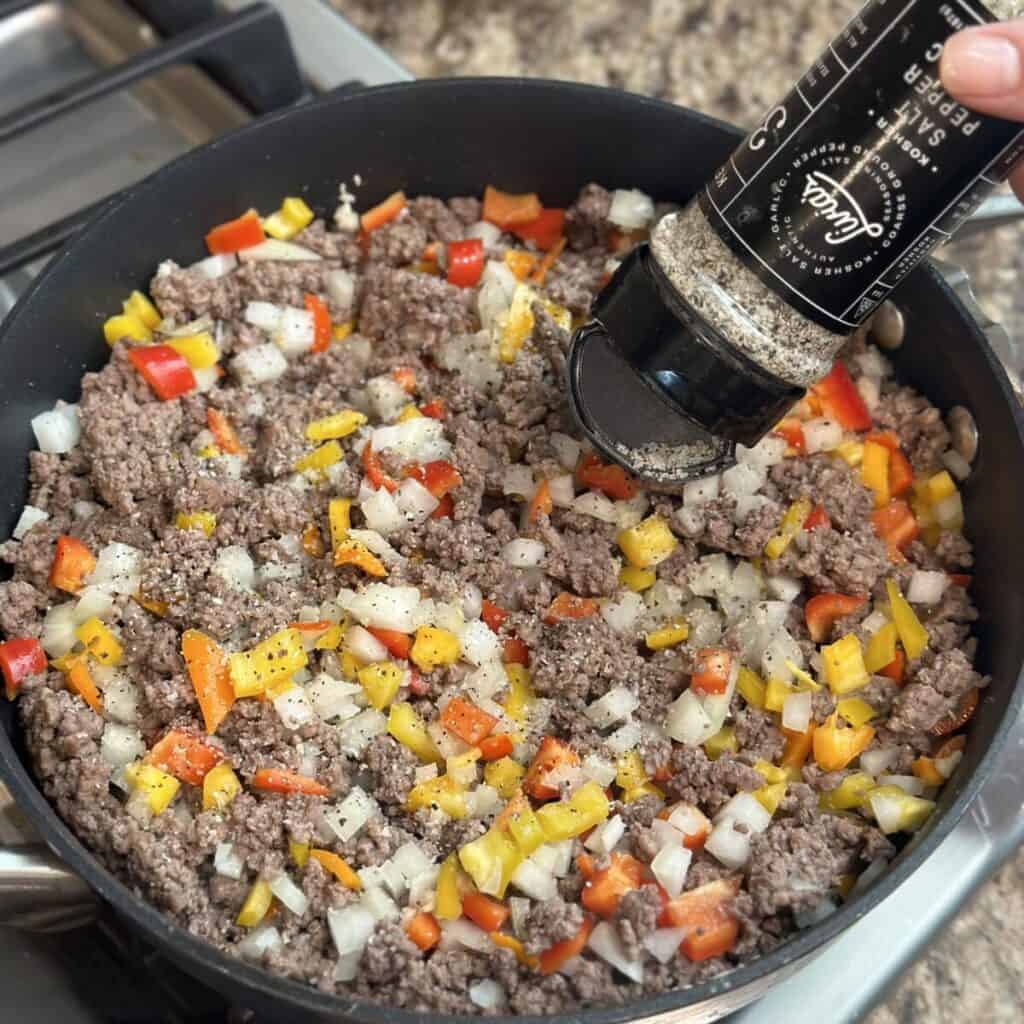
(321, 321)
(840, 397)
(313, 541)
(691, 840)
(958, 718)
(423, 931)
(241, 233)
(515, 652)
(405, 377)
(558, 955)
(351, 552)
(465, 720)
(277, 780)
(896, 525)
(798, 746)
(511, 943)
(398, 644)
(207, 667)
(713, 667)
(568, 606)
(520, 262)
(383, 212)
(791, 429)
(223, 432)
(924, 769)
(835, 746)
(901, 475)
(894, 670)
(540, 503)
(552, 755)
(80, 681)
(185, 757)
(886, 438)
(604, 888)
(823, 610)
(72, 562)
(612, 481)
(506, 209)
(546, 231)
(550, 259)
(494, 748)
(336, 865)
(493, 616)
(818, 519)
(706, 913)
(486, 913)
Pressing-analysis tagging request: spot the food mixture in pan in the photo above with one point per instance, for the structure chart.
(332, 641)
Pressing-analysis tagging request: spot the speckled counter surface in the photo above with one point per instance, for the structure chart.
(701, 53)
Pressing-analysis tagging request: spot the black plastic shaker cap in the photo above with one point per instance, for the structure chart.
(657, 389)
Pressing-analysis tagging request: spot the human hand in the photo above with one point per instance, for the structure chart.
(983, 68)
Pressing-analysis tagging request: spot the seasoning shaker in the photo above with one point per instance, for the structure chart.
(708, 334)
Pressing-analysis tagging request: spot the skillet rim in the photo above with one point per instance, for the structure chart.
(204, 959)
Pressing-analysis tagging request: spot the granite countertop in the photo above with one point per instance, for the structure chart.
(698, 53)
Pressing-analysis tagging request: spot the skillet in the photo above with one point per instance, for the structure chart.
(449, 137)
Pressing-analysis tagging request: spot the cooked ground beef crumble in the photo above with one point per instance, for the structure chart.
(667, 636)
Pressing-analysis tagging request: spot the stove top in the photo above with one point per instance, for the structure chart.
(150, 109)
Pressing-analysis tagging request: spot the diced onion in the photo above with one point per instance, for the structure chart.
(796, 711)
(598, 769)
(462, 934)
(822, 435)
(520, 908)
(333, 698)
(479, 643)
(260, 364)
(30, 515)
(605, 942)
(781, 649)
(785, 588)
(57, 431)
(523, 553)
(216, 266)
(348, 965)
(488, 233)
(949, 512)
(235, 565)
(484, 801)
(340, 286)
(768, 452)
(606, 836)
(562, 490)
(260, 941)
(728, 846)
(121, 700)
(745, 809)
(471, 600)
(874, 622)
(624, 738)
(357, 732)
(597, 506)
(293, 708)
(888, 811)
(289, 894)
(687, 721)
(364, 646)
(630, 512)
(264, 315)
(746, 504)
(631, 209)
(567, 449)
(296, 333)
(947, 765)
(875, 762)
(421, 439)
(121, 744)
(517, 481)
(700, 492)
(663, 943)
(118, 569)
(624, 613)
(348, 818)
(487, 680)
(387, 399)
(926, 587)
(226, 862)
(276, 249)
(670, 866)
(385, 607)
(956, 464)
(742, 479)
(870, 390)
(423, 886)
(710, 575)
(486, 994)
(908, 783)
(615, 706)
(414, 501)
(533, 881)
(351, 928)
(872, 363)
(93, 603)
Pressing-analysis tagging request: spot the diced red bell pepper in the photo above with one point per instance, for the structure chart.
(544, 231)
(383, 212)
(494, 748)
(277, 780)
(398, 644)
(901, 474)
(959, 579)
(493, 616)
(515, 652)
(164, 370)
(558, 955)
(439, 477)
(465, 262)
(895, 524)
(792, 430)
(321, 322)
(19, 659)
(702, 824)
(241, 233)
(568, 606)
(958, 718)
(894, 670)
(405, 376)
(470, 723)
(818, 519)
(506, 209)
(423, 931)
(185, 757)
(604, 888)
(551, 756)
(72, 562)
(445, 508)
(713, 667)
(540, 503)
(223, 432)
(706, 913)
(435, 409)
(612, 481)
(484, 912)
(374, 470)
(886, 438)
(840, 397)
(822, 611)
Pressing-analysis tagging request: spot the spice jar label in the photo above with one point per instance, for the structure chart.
(864, 168)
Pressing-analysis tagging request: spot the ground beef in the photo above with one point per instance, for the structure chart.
(142, 463)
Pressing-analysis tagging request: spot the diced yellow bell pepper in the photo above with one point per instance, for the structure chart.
(587, 807)
(434, 647)
(520, 692)
(491, 861)
(517, 324)
(723, 742)
(771, 795)
(256, 905)
(874, 472)
(635, 579)
(349, 665)
(855, 711)
(843, 663)
(299, 852)
(792, 523)
(220, 787)
(851, 452)
(154, 607)
(156, 787)
(670, 635)
(140, 306)
(339, 332)
(914, 811)
(804, 680)
(331, 428)
(447, 898)
(881, 648)
(208, 451)
(464, 767)
(648, 543)
(775, 693)
(629, 796)
(409, 729)
(354, 552)
(329, 639)
(913, 635)
(629, 771)
(289, 220)
(278, 657)
(849, 794)
(561, 315)
(504, 775)
(937, 487)
(769, 772)
(205, 521)
(380, 682)
(198, 350)
(442, 793)
(100, 642)
(410, 412)
(512, 944)
(320, 459)
(525, 828)
(125, 325)
(835, 746)
(751, 687)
